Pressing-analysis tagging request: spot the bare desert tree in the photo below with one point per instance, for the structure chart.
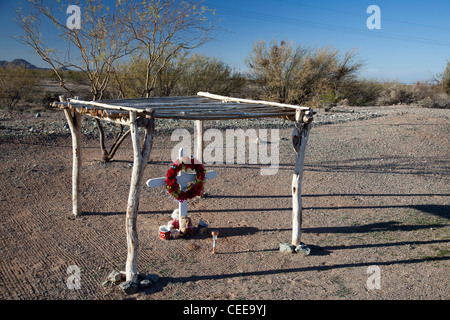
(154, 29)
(163, 28)
(93, 49)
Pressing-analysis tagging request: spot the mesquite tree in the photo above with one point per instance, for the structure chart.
(162, 29)
(93, 49)
(154, 29)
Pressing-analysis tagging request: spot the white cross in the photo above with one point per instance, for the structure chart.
(183, 179)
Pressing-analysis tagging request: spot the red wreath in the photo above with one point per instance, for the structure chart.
(192, 190)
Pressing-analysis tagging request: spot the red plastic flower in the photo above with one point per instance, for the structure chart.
(191, 191)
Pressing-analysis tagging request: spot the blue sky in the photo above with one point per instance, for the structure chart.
(413, 42)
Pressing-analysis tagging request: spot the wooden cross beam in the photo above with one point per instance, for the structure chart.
(183, 180)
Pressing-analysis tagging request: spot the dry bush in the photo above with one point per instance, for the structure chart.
(130, 77)
(439, 101)
(430, 95)
(203, 73)
(180, 75)
(446, 79)
(276, 69)
(395, 93)
(361, 92)
(15, 83)
(301, 75)
(423, 93)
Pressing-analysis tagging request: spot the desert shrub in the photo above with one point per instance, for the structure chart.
(395, 93)
(446, 79)
(425, 89)
(361, 92)
(433, 94)
(423, 93)
(180, 75)
(203, 73)
(301, 75)
(128, 79)
(131, 76)
(76, 77)
(14, 84)
(440, 100)
(276, 69)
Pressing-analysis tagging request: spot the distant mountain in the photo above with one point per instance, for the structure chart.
(21, 63)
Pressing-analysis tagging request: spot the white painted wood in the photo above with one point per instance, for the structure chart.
(182, 209)
(74, 121)
(140, 159)
(182, 206)
(269, 103)
(183, 179)
(199, 140)
(299, 139)
(103, 105)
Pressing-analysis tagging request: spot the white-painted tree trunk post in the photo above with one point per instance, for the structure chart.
(199, 140)
(140, 159)
(300, 135)
(74, 121)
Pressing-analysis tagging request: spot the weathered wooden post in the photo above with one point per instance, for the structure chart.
(199, 140)
(300, 135)
(74, 121)
(140, 158)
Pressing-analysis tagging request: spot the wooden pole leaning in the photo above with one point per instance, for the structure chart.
(140, 158)
(300, 135)
(74, 121)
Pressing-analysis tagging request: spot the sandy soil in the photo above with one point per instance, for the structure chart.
(376, 192)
